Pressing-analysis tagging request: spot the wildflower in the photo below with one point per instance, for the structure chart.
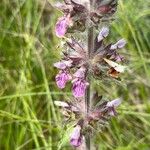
(120, 44)
(103, 33)
(62, 26)
(79, 87)
(76, 137)
(86, 60)
(79, 83)
(62, 78)
(80, 73)
(73, 13)
(63, 64)
(112, 106)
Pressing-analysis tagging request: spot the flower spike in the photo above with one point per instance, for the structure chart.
(84, 63)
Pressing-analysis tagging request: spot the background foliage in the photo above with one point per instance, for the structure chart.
(28, 49)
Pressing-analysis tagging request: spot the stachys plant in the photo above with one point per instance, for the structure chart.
(87, 55)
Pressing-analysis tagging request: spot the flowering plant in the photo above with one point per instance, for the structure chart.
(82, 60)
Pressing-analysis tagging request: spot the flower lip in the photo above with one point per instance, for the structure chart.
(68, 63)
(60, 65)
(112, 111)
(80, 73)
(76, 137)
(114, 103)
(76, 142)
(103, 33)
(62, 78)
(79, 87)
(62, 26)
(120, 44)
(63, 64)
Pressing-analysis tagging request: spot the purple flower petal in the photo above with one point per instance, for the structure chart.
(76, 137)
(62, 78)
(79, 87)
(62, 26)
(103, 33)
(76, 142)
(112, 111)
(68, 63)
(114, 103)
(60, 65)
(120, 44)
(112, 106)
(80, 73)
(63, 64)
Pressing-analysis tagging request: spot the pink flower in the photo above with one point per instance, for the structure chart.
(103, 34)
(62, 26)
(80, 73)
(62, 78)
(63, 64)
(76, 137)
(112, 106)
(79, 83)
(79, 87)
(120, 44)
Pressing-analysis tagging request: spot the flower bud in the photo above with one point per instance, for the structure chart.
(104, 9)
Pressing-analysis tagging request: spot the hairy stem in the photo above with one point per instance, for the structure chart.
(88, 91)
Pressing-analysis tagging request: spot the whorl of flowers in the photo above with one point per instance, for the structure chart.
(76, 65)
(78, 17)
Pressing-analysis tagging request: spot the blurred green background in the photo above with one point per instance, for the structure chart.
(28, 49)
